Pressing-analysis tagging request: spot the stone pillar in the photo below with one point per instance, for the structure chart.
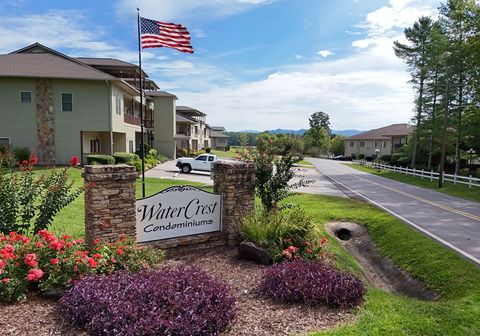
(110, 202)
(45, 121)
(235, 181)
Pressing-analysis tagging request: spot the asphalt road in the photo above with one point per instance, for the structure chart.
(452, 221)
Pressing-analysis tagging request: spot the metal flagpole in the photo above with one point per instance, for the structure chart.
(142, 148)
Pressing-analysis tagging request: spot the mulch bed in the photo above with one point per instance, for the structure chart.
(255, 316)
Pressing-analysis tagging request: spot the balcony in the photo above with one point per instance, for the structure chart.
(133, 120)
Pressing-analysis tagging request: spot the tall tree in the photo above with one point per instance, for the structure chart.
(320, 120)
(415, 54)
(318, 136)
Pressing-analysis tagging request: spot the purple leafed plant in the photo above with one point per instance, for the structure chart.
(170, 301)
(311, 282)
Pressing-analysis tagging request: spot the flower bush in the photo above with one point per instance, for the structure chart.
(170, 301)
(311, 282)
(285, 234)
(48, 262)
(29, 203)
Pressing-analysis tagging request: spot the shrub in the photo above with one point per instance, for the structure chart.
(311, 283)
(170, 301)
(28, 203)
(386, 158)
(361, 156)
(185, 152)
(162, 158)
(122, 157)
(285, 234)
(47, 262)
(21, 154)
(100, 159)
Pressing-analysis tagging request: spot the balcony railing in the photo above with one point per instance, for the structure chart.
(132, 120)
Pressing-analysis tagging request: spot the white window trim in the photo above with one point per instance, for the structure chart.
(9, 140)
(61, 100)
(99, 145)
(31, 97)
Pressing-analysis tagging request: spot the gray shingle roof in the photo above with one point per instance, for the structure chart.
(190, 110)
(159, 94)
(105, 62)
(215, 134)
(181, 118)
(384, 133)
(47, 65)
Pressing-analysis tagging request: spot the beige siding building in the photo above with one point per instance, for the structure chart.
(218, 138)
(61, 106)
(378, 142)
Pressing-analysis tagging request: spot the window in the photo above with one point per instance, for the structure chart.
(384, 144)
(118, 104)
(26, 96)
(4, 142)
(205, 132)
(205, 144)
(202, 158)
(196, 130)
(210, 158)
(375, 144)
(94, 146)
(352, 144)
(362, 143)
(67, 102)
(130, 146)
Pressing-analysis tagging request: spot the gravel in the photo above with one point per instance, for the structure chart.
(255, 316)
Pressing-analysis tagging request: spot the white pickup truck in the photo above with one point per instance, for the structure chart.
(202, 162)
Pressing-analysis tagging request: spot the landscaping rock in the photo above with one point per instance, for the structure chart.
(250, 251)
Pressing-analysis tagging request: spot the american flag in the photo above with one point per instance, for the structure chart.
(156, 34)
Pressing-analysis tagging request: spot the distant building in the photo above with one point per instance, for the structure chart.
(387, 140)
(218, 138)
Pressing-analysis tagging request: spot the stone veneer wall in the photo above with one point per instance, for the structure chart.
(110, 202)
(235, 181)
(110, 205)
(45, 121)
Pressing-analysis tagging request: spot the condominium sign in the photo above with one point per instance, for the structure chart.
(178, 211)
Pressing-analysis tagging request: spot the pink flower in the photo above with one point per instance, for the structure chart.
(25, 240)
(54, 261)
(292, 249)
(2, 264)
(31, 260)
(33, 160)
(92, 262)
(56, 245)
(34, 274)
(5, 280)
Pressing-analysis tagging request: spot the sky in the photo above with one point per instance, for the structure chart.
(258, 64)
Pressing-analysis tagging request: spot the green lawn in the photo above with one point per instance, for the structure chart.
(304, 163)
(460, 190)
(232, 153)
(455, 279)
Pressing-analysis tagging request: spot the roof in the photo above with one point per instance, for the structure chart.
(182, 137)
(218, 128)
(160, 94)
(39, 61)
(215, 134)
(106, 62)
(384, 133)
(181, 118)
(190, 110)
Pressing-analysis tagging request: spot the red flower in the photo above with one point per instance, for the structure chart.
(31, 260)
(33, 160)
(54, 261)
(96, 241)
(24, 162)
(308, 243)
(308, 251)
(292, 249)
(74, 161)
(69, 281)
(75, 268)
(25, 240)
(5, 280)
(68, 244)
(98, 256)
(323, 241)
(34, 274)
(2, 264)
(92, 262)
(56, 245)
(65, 237)
(38, 244)
(119, 251)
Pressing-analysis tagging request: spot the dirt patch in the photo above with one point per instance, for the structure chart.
(379, 271)
(255, 316)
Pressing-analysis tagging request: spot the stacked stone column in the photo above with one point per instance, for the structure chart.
(110, 203)
(235, 181)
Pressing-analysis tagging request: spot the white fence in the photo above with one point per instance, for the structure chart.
(424, 174)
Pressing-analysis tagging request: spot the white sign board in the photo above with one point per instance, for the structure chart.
(178, 211)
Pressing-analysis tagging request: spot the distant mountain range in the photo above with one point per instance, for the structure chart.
(346, 133)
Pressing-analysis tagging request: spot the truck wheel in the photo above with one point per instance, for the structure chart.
(186, 168)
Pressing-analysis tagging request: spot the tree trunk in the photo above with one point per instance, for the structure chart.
(429, 165)
(419, 118)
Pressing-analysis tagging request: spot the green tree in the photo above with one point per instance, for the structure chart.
(415, 54)
(337, 145)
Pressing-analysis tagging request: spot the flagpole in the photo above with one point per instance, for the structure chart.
(142, 146)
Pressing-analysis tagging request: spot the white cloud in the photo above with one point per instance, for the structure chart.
(299, 57)
(179, 9)
(325, 53)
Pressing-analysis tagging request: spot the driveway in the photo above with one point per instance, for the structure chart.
(452, 221)
(168, 170)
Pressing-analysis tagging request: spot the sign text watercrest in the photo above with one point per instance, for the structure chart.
(178, 211)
